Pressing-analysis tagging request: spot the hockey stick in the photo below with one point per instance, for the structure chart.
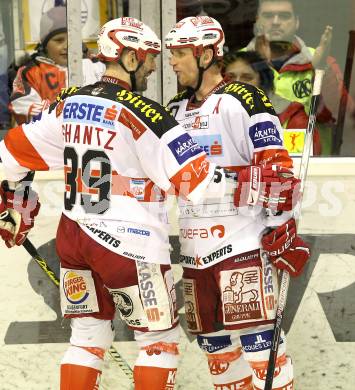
(27, 244)
(285, 276)
(344, 98)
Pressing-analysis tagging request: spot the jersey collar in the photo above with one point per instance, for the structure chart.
(114, 80)
(193, 103)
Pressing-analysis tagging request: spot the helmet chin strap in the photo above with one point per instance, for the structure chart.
(201, 70)
(132, 73)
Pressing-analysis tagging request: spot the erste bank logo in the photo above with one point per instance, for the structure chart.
(211, 144)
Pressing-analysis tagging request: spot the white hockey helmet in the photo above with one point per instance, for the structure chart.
(197, 32)
(126, 32)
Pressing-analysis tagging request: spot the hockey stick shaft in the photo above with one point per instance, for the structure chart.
(285, 276)
(27, 244)
(345, 94)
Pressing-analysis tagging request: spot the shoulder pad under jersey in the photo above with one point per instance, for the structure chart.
(254, 100)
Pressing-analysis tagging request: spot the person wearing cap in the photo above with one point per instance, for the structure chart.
(39, 81)
(232, 249)
(121, 153)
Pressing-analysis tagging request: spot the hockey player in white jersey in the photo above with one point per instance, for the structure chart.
(230, 250)
(121, 153)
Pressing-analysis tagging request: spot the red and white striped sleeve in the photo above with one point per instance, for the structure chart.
(37, 146)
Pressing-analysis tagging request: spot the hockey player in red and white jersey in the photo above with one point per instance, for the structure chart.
(121, 153)
(230, 250)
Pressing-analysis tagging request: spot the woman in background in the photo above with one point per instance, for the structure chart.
(249, 67)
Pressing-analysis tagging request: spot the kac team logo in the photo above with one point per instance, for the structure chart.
(75, 288)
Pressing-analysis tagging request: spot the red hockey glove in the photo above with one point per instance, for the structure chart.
(271, 187)
(286, 250)
(18, 208)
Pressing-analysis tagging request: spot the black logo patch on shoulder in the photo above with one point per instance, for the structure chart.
(151, 113)
(180, 96)
(254, 100)
(64, 93)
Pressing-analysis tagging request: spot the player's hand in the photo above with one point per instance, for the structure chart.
(286, 250)
(262, 42)
(18, 208)
(322, 51)
(272, 187)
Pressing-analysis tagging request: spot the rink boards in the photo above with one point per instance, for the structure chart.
(320, 319)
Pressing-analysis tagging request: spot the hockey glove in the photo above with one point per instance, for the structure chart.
(286, 250)
(18, 208)
(272, 187)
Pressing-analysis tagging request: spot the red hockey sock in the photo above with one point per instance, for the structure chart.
(154, 378)
(75, 377)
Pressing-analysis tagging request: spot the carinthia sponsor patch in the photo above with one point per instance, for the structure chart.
(184, 147)
(264, 134)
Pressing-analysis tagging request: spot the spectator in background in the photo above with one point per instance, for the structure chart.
(39, 81)
(292, 61)
(249, 67)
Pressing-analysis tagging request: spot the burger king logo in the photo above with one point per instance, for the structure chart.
(75, 288)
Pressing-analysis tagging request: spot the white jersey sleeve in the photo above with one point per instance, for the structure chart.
(36, 146)
(169, 156)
